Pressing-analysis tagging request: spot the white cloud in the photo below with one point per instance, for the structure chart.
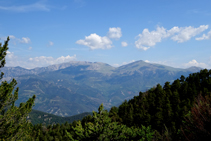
(149, 39)
(94, 41)
(124, 63)
(187, 33)
(50, 43)
(10, 55)
(30, 48)
(205, 37)
(167, 63)
(24, 8)
(29, 63)
(11, 36)
(114, 33)
(25, 40)
(124, 44)
(63, 59)
(12, 60)
(5, 37)
(172, 31)
(44, 61)
(115, 65)
(195, 63)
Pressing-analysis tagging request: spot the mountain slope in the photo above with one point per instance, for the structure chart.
(37, 117)
(76, 87)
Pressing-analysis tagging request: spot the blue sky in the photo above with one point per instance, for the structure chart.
(176, 33)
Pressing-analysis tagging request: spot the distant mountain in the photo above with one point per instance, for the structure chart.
(37, 117)
(77, 87)
(193, 68)
(17, 71)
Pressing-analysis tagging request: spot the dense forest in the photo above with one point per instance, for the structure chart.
(37, 117)
(177, 111)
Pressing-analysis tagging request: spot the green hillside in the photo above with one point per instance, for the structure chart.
(38, 117)
(82, 86)
(179, 108)
(177, 111)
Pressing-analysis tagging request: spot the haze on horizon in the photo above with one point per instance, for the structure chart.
(175, 33)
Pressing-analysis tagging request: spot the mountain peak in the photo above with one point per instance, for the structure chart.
(194, 68)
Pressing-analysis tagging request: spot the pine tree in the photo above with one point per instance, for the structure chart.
(113, 114)
(103, 129)
(13, 123)
(197, 123)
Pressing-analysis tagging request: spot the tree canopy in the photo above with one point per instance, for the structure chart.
(177, 111)
(13, 122)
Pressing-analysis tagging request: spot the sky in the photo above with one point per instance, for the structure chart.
(175, 33)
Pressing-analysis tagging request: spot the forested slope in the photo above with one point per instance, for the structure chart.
(165, 106)
(37, 117)
(177, 111)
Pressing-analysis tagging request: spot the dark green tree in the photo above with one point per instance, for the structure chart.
(197, 123)
(13, 123)
(103, 129)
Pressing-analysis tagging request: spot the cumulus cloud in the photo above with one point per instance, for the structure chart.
(94, 41)
(10, 55)
(195, 63)
(124, 44)
(147, 61)
(12, 59)
(149, 39)
(24, 40)
(29, 63)
(205, 37)
(44, 61)
(172, 31)
(114, 33)
(186, 33)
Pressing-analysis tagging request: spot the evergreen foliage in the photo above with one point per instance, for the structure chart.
(165, 108)
(13, 123)
(177, 111)
(103, 129)
(173, 112)
(197, 123)
(37, 117)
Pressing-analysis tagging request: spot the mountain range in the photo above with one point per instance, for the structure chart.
(38, 117)
(76, 87)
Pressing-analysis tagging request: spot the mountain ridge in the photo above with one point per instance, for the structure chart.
(76, 63)
(75, 87)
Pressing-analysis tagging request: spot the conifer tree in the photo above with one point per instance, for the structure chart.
(13, 123)
(103, 129)
(196, 125)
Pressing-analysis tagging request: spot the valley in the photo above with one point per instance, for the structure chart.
(76, 87)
